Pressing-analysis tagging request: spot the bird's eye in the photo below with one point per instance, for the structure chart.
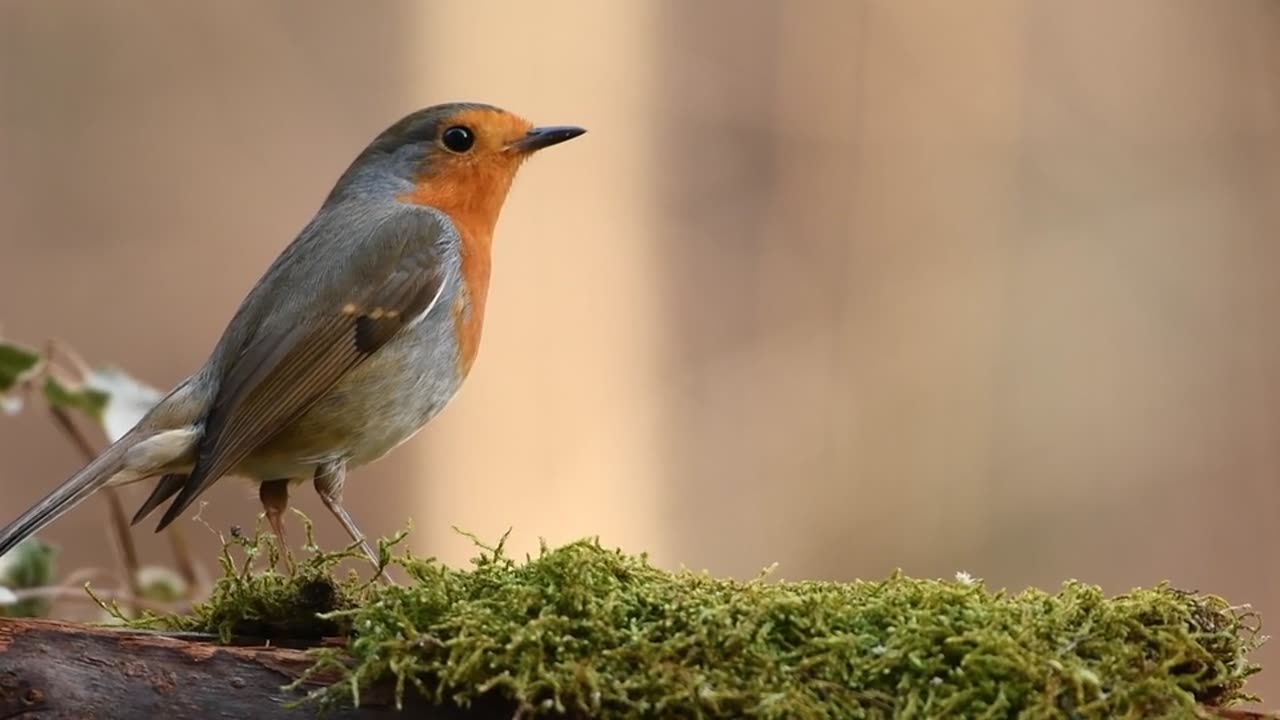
(458, 139)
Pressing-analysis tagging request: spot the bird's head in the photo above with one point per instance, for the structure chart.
(459, 157)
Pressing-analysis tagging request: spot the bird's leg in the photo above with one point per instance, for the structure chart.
(329, 479)
(274, 495)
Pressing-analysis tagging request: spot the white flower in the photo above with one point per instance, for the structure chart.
(128, 400)
(10, 404)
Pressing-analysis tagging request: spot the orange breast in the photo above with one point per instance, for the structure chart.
(472, 196)
(468, 309)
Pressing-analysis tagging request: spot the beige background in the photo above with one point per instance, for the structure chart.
(844, 285)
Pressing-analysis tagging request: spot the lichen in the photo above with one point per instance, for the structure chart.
(587, 631)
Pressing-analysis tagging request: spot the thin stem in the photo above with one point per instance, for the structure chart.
(58, 592)
(127, 551)
(119, 519)
(124, 540)
(55, 349)
(182, 558)
(78, 578)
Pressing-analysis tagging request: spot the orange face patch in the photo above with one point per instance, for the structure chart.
(494, 129)
(470, 188)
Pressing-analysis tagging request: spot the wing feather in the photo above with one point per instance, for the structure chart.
(396, 277)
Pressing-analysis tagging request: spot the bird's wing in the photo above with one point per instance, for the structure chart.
(393, 278)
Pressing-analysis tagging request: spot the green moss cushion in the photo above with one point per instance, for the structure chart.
(593, 632)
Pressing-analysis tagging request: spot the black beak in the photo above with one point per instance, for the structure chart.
(541, 137)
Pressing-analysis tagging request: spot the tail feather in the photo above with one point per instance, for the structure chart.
(67, 495)
(168, 486)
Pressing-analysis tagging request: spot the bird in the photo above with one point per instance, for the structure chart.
(358, 334)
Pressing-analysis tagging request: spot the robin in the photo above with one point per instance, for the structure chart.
(357, 335)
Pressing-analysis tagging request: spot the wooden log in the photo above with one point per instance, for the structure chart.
(53, 670)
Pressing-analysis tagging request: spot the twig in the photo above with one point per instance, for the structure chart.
(187, 569)
(128, 552)
(69, 428)
(124, 541)
(58, 592)
(60, 360)
(77, 578)
(55, 349)
(1234, 714)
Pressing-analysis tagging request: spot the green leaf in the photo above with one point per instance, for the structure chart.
(85, 399)
(29, 565)
(16, 363)
(108, 395)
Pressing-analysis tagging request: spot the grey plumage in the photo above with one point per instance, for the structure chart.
(348, 343)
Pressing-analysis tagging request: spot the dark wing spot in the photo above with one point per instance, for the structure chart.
(372, 333)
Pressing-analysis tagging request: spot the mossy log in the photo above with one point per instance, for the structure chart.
(584, 632)
(52, 670)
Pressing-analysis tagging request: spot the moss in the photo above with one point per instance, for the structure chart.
(278, 602)
(592, 632)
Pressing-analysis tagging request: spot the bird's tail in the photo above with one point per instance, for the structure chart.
(69, 494)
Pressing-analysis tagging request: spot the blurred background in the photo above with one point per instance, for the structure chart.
(846, 286)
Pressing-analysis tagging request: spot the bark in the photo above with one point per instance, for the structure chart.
(52, 670)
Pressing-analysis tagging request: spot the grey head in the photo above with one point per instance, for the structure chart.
(443, 138)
